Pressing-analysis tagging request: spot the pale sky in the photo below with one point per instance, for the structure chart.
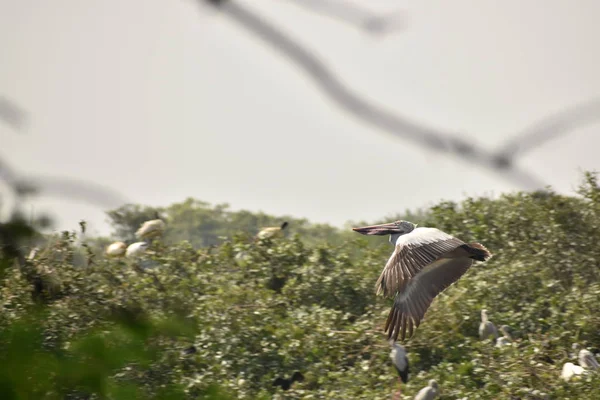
(163, 100)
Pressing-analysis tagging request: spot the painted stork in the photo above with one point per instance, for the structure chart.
(487, 328)
(151, 228)
(505, 339)
(400, 361)
(136, 249)
(429, 392)
(116, 249)
(272, 231)
(587, 359)
(425, 261)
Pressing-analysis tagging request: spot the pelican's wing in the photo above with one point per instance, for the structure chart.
(411, 305)
(414, 252)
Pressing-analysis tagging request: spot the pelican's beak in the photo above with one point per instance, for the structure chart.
(383, 229)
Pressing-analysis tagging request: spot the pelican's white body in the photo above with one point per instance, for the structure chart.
(151, 228)
(570, 370)
(428, 392)
(116, 249)
(136, 249)
(587, 359)
(419, 236)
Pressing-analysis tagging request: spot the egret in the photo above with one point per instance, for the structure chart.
(486, 327)
(116, 249)
(429, 392)
(570, 370)
(505, 339)
(400, 361)
(150, 229)
(287, 383)
(272, 231)
(425, 261)
(136, 249)
(587, 359)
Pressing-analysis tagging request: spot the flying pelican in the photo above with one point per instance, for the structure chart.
(429, 392)
(425, 261)
(287, 383)
(271, 231)
(505, 339)
(570, 370)
(116, 249)
(587, 359)
(136, 249)
(400, 361)
(487, 327)
(151, 228)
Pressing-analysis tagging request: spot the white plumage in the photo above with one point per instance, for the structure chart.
(271, 231)
(587, 359)
(570, 370)
(505, 339)
(486, 328)
(150, 229)
(429, 392)
(136, 249)
(400, 361)
(116, 249)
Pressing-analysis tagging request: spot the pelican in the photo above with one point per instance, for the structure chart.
(151, 228)
(570, 370)
(587, 359)
(486, 327)
(425, 261)
(136, 249)
(116, 249)
(271, 231)
(429, 392)
(400, 361)
(505, 339)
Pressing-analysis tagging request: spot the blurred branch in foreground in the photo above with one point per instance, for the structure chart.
(373, 114)
(12, 114)
(353, 14)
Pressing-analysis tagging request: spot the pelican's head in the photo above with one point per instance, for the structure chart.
(392, 228)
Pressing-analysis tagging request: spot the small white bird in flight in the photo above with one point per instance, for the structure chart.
(425, 261)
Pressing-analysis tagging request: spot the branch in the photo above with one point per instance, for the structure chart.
(370, 113)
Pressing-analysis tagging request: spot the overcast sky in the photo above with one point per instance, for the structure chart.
(162, 100)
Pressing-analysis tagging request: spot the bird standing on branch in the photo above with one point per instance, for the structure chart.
(272, 231)
(425, 261)
(151, 229)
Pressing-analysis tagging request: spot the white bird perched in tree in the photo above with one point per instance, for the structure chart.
(505, 339)
(272, 231)
(587, 359)
(400, 361)
(487, 328)
(429, 392)
(570, 370)
(136, 249)
(152, 228)
(116, 249)
(425, 261)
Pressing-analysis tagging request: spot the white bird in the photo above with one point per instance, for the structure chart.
(400, 361)
(116, 249)
(150, 229)
(136, 249)
(486, 327)
(587, 359)
(425, 261)
(429, 392)
(272, 231)
(505, 339)
(570, 370)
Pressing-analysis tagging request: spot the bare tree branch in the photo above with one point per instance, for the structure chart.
(552, 127)
(353, 14)
(370, 113)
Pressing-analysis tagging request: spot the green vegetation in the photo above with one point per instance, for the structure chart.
(76, 325)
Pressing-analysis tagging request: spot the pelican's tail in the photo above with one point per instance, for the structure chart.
(478, 251)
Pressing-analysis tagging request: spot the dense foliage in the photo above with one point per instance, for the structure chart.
(254, 310)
